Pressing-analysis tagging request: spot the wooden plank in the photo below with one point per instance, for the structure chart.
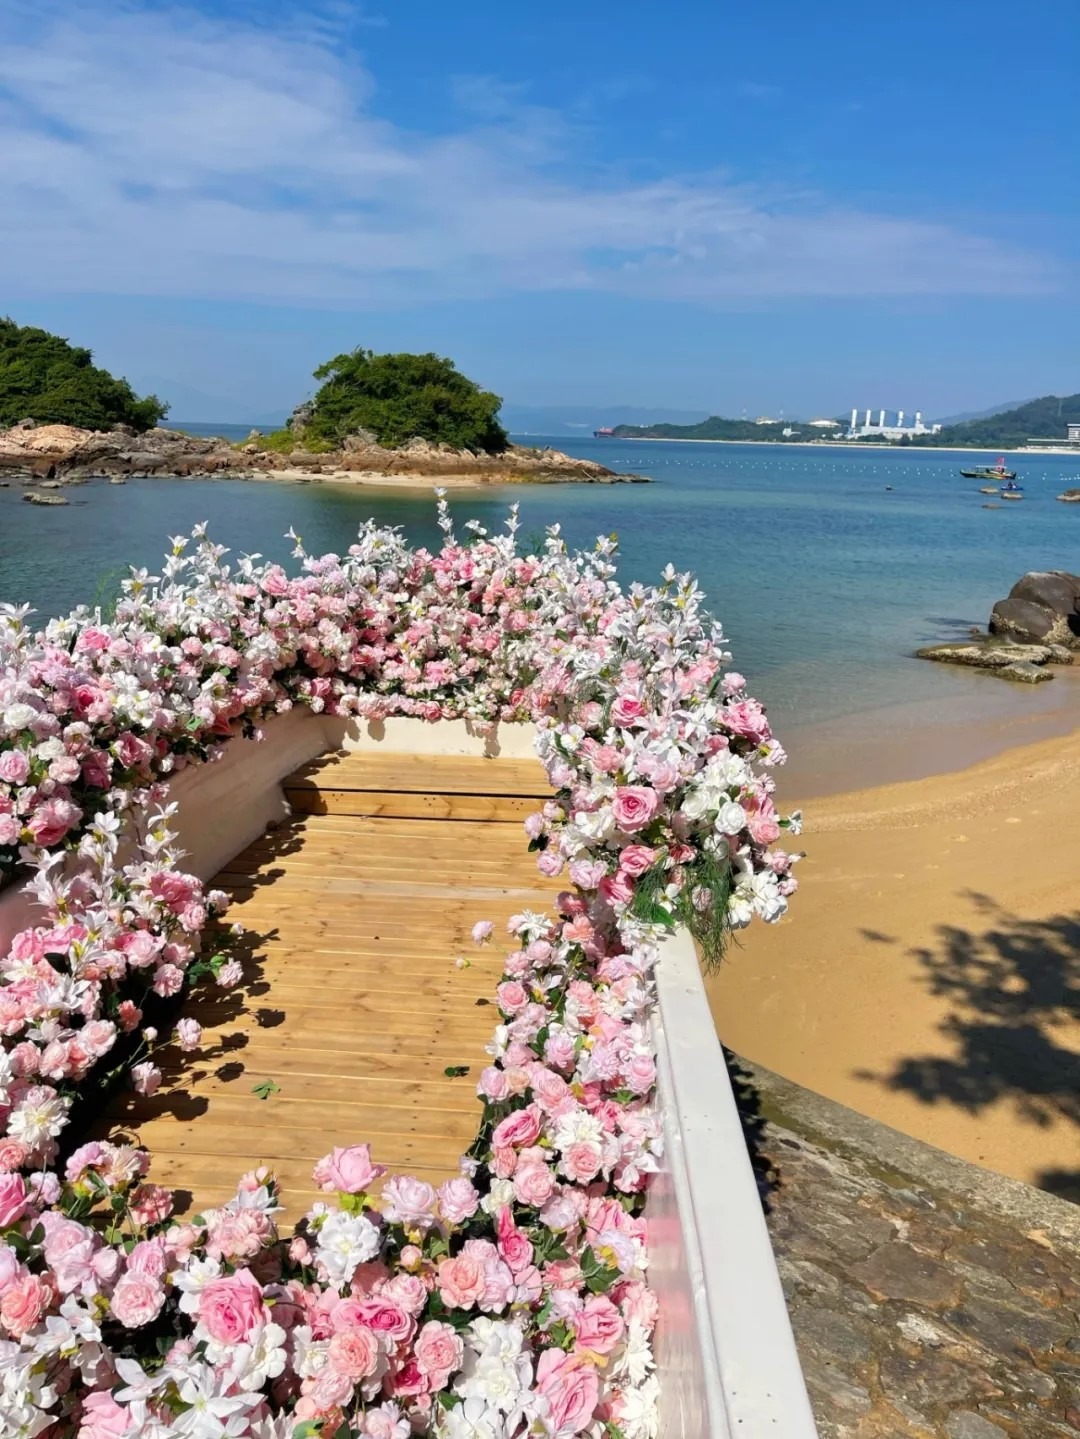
(402, 806)
(351, 1000)
(404, 773)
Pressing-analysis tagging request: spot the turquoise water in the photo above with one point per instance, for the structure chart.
(824, 579)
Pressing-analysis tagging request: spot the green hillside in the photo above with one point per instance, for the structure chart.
(1041, 419)
(714, 428)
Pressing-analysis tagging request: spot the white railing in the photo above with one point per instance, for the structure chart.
(725, 1352)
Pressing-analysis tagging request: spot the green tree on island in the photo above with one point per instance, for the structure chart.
(400, 398)
(44, 378)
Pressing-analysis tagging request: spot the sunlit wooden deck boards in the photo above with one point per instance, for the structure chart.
(352, 1003)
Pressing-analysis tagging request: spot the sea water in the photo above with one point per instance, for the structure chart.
(827, 566)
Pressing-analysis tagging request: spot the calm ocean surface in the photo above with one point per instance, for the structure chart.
(825, 580)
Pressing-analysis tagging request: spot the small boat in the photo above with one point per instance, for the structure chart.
(990, 472)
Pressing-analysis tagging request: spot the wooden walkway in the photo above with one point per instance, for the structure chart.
(352, 1004)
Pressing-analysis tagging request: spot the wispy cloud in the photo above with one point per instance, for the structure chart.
(145, 150)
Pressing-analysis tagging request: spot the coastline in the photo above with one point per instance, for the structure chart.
(858, 448)
(927, 972)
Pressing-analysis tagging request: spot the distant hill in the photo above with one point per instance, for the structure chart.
(981, 414)
(583, 419)
(1045, 418)
(716, 428)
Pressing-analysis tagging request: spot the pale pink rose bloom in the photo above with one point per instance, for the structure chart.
(349, 1171)
(230, 1308)
(230, 974)
(598, 1325)
(52, 820)
(512, 997)
(168, 980)
(635, 859)
(146, 1078)
(732, 683)
(514, 1245)
(439, 1351)
(458, 1200)
(518, 1130)
(640, 1073)
(460, 1281)
(188, 1034)
(150, 1204)
(103, 1418)
(353, 1353)
(534, 825)
(634, 806)
(534, 1185)
(409, 1201)
(482, 931)
(386, 1422)
(617, 888)
(9, 829)
(581, 1161)
(137, 1299)
(14, 766)
(386, 1319)
(13, 1155)
(493, 1083)
(571, 1389)
(550, 863)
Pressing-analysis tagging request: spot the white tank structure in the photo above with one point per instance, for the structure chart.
(879, 428)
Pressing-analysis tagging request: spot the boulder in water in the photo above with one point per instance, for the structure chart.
(1031, 623)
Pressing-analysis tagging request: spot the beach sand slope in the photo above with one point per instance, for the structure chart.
(929, 971)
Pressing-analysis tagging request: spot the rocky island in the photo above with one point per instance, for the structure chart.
(399, 419)
(66, 454)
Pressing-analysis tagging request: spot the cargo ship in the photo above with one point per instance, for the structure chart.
(605, 432)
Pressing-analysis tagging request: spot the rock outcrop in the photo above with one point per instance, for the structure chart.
(1038, 624)
(1042, 607)
(65, 453)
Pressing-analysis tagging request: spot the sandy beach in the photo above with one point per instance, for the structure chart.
(929, 972)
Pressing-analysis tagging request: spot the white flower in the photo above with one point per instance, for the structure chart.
(212, 1414)
(260, 1358)
(192, 1279)
(634, 1361)
(34, 1123)
(730, 818)
(638, 1416)
(597, 824)
(345, 1241)
(577, 1127)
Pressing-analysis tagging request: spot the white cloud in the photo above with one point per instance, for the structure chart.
(162, 152)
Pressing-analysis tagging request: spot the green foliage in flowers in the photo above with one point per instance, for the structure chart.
(44, 378)
(400, 398)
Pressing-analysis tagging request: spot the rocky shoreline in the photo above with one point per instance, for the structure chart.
(59, 455)
(1037, 625)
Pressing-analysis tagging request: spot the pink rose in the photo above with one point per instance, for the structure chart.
(353, 1353)
(570, 1387)
(460, 1282)
(512, 996)
(514, 1245)
(349, 1171)
(550, 863)
(385, 1317)
(533, 1185)
(747, 719)
(12, 1199)
(409, 1201)
(627, 711)
(617, 888)
(640, 1073)
(439, 1352)
(168, 980)
(598, 1325)
(482, 931)
(52, 820)
(14, 766)
(231, 1307)
(732, 683)
(137, 1299)
(103, 1418)
(581, 1161)
(458, 1200)
(146, 1078)
(24, 1304)
(188, 1034)
(13, 1155)
(493, 1083)
(518, 1130)
(635, 859)
(130, 750)
(634, 806)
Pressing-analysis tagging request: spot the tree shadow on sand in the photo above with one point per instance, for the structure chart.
(1013, 992)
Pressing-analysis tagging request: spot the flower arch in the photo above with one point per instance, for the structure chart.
(513, 1300)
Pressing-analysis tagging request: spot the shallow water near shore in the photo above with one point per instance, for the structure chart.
(825, 579)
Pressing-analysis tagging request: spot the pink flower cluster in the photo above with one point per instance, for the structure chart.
(512, 1300)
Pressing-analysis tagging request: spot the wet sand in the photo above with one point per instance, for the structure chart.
(929, 971)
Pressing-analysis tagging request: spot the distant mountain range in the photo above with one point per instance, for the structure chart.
(583, 419)
(981, 414)
(1045, 418)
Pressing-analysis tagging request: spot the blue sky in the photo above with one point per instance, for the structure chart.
(699, 205)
